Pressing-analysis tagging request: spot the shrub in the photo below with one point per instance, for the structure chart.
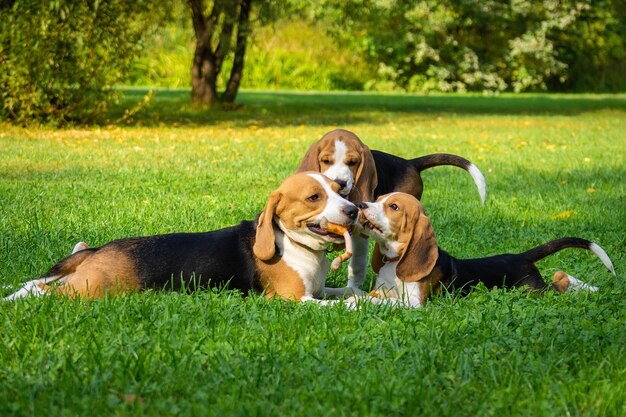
(469, 45)
(60, 59)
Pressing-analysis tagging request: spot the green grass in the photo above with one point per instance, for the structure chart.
(554, 167)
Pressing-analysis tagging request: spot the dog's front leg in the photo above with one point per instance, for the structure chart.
(341, 292)
(357, 268)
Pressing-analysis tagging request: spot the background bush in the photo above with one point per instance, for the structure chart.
(594, 49)
(60, 59)
(470, 45)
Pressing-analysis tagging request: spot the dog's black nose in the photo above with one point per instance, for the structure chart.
(351, 211)
(341, 183)
(362, 205)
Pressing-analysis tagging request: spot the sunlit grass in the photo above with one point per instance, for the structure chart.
(554, 167)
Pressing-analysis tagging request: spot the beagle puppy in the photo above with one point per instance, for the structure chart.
(366, 174)
(410, 267)
(281, 253)
(363, 175)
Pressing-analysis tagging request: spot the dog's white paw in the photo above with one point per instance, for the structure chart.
(29, 288)
(352, 303)
(80, 246)
(565, 282)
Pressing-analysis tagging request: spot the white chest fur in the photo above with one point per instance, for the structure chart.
(311, 265)
(391, 286)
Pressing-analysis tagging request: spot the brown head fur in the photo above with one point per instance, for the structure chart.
(413, 234)
(320, 157)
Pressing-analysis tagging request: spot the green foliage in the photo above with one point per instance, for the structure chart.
(60, 59)
(594, 48)
(283, 55)
(298, 56)
(416, 46)
(474, 45)
(166, 61)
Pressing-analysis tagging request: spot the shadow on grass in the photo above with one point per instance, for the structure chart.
(173, 107)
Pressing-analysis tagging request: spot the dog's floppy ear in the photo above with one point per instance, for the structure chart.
(377, 259)
(311, 162)
(264, 245)
(366, 178)
(420, 255)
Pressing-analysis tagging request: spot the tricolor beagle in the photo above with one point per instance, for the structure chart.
(282, 253)
(364, 175)
(410, 266)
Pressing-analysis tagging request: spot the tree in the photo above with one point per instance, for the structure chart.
(59, 60)
(214, 36)
(594, 49)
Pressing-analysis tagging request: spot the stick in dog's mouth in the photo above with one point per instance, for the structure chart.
(340, 230)
(322, 228)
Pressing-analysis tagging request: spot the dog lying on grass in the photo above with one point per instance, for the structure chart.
(410, 266)
(281, 253)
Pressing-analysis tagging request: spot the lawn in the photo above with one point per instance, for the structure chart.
(554, 164)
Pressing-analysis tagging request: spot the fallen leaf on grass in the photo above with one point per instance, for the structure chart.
(131, 398)
(563, 215)
(128, 398)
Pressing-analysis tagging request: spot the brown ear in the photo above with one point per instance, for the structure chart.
(366, 178)
(377, 259)
(420, 256)
(311, 162)
(264, 244)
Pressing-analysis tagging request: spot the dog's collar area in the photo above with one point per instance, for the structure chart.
(388, 260)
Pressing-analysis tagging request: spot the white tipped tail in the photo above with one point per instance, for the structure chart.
(600, 253)
(479, 180)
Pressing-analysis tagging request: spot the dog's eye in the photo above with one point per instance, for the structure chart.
(352, 162)
(394, 206)
(314, 197)
(326, 161)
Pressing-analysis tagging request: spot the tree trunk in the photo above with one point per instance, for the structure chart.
(207, 62)
(203, 69)
(203, 76)
(243, 30)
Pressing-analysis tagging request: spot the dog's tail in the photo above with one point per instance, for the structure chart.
(547, 249)
(438, 159)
